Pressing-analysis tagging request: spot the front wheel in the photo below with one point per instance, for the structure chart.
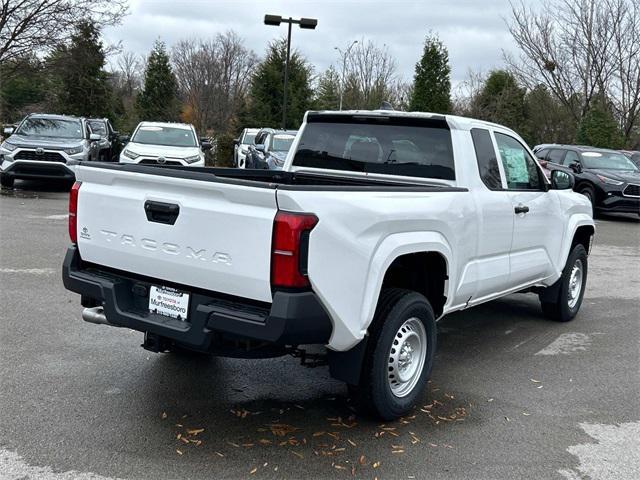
(400, 354)
(588, 192)
(571, 286)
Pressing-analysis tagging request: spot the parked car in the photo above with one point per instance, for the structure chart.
(159, 143)
(270, 149)
(633, 155)
(241, 146)
(108, 146)
(609, 179)
(46, 146)
(380, 223)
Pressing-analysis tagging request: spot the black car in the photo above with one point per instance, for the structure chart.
(608, 178)
(109, 145)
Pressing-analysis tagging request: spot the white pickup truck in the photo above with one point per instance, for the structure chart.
(380, 223)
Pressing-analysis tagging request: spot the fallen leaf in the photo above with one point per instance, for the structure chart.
(353, 444)
(254, 470)
(534, 380)
(376, 464)
(362, 460)
(179, 452)
(526, 414)
(195, 431)
(297, 454)
(164, 415)
(219, 454)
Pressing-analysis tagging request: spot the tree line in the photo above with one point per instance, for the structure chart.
(576, 78)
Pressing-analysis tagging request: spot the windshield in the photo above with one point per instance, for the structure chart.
(166, 136)
(389, 145)
(99, 128)
(281, 143)
(248, 138)
(608, 161)
(51, 127)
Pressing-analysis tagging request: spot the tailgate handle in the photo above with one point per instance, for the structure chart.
(160, 212)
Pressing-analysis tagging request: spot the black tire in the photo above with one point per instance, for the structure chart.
(561, 309)
(590, 193)
(374, 394)
(6, 181)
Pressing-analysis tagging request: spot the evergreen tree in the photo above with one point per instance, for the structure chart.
(158, 100)
(546, 119)
(432, 82)
(22, 88)
(328, 91)
(501, 100)
(599, 128)
(80, 82)
(267, 89)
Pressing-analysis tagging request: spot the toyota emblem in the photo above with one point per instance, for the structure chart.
(39, 151)
(161, 160)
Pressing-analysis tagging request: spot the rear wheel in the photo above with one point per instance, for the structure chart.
(570, 287)
(6, 181)
(400, 354)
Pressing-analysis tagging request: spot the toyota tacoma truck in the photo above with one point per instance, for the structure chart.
(380, 223)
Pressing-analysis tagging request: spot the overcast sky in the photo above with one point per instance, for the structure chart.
(474, 31)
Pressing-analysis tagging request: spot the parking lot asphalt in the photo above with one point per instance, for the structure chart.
(512, 395)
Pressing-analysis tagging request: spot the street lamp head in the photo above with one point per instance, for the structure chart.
(274, 20)
(309, 23)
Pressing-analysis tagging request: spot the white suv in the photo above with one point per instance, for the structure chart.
(155, 143)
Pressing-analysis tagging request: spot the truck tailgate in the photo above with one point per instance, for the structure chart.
(214, 235)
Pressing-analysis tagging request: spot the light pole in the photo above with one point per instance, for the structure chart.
(276, 20)
(344, 56)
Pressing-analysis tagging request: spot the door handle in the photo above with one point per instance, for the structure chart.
(160, 212)
(521, 209)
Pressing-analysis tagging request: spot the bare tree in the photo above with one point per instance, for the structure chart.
(128, 73)
(213, 78)
(29, 26)
(581, 49)
(370, 75)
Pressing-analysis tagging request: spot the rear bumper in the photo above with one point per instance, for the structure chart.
(292, 318)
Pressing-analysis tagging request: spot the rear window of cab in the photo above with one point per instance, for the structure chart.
(402, 146)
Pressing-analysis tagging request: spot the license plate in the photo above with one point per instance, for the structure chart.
(169, 302)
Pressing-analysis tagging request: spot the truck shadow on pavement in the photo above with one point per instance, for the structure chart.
(276, 414)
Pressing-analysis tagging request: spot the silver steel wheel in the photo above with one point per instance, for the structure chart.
(406, 357)
(575, 283)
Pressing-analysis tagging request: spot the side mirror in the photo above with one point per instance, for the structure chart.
(8, 130)
(259, 147)
(114, 135)
(94, 137)
(576, 166)
(236, 142)
(205, 145)
(123, 139)
(562, 180)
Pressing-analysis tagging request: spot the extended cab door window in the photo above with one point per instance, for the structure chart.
(486, 157)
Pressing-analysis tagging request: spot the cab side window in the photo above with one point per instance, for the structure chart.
(520, 169)
(556, 156)
(570, 158)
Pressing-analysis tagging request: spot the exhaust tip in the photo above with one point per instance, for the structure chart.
(95, 315)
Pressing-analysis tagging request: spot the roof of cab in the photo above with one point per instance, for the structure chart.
(454, 121)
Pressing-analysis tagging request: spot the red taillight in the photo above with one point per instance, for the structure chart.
(288, 237)
(73, 212)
